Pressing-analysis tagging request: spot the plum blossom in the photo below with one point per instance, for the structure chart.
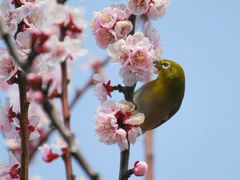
(138, 7)
(10, 18)
(10, 170)
(157, 8)
(8, 67)
(70, 19)
(136, 54)
(140, 168)
(63, 50)
(103, 88)
(152, 8)
(118, 123)
(111, 24)
(47, 154)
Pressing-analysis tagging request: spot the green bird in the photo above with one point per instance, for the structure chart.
(160, 99)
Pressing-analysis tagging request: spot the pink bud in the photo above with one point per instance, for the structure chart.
(140, 168)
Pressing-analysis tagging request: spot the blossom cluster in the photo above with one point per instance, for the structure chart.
(113, 28)
(111, 24)
(51, 31)
(118, 123)
(135, 52)
(44, 34)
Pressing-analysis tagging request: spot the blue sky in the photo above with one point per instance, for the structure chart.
(201, 142)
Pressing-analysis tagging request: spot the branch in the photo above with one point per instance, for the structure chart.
(24, 132)
(66, 118)
(69, 139)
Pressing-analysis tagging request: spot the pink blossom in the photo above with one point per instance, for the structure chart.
(8, 67)
(63, 50)
(140, 59)
(104, 37)
(68, 18)
(103, 87)
(111, 24)
(138, 7)
(130, 75)
(10, 170)
(10, 18)
(108, 18)
(47, 154)
(140, 168)
(119, 51)
(121, 11)
(116, 121)
(34, 13)
(157, 8)
(123, 28)
(136, 54)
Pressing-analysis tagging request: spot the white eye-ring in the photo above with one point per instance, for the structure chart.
(166, 65)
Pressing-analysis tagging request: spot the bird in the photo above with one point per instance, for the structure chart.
(161, 98)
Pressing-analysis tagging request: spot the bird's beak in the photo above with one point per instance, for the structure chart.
(157, 64)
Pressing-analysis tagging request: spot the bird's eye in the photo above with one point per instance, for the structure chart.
(166, 65)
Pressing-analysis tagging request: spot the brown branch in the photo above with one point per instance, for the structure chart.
(66, 118)
(69, 139)
(24, 132)
(88, 84)
(148, 142)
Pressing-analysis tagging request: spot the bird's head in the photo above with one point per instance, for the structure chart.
(169, 70)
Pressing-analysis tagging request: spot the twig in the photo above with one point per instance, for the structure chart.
(69, 139)
(88, 84)
(66, 118)
(24, 132)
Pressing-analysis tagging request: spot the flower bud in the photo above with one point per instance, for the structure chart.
(140, 168)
